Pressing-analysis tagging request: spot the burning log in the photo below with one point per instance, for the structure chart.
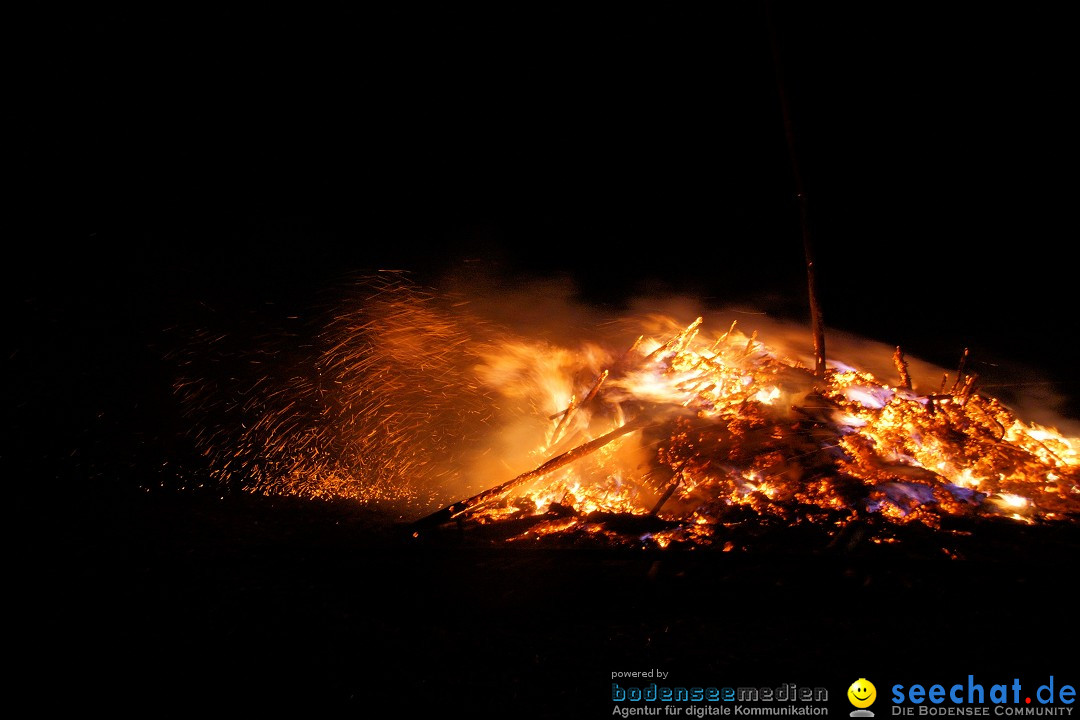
(458, 509)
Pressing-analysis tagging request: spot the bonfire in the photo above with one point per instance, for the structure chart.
(671, 439)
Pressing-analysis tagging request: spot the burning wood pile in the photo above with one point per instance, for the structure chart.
(688, 434)
(671, 439)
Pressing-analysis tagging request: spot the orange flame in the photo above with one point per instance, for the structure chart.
(413, 401)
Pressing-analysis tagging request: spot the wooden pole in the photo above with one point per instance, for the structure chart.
(817, 322)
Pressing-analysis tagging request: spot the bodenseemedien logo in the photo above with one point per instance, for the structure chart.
(675, 699)
(862, 694)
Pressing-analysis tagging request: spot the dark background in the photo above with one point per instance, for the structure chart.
(163, 155)
(163, 163)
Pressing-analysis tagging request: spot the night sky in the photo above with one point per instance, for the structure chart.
(164, 165)
(161, 159)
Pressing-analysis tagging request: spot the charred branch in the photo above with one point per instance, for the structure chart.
(671, 486)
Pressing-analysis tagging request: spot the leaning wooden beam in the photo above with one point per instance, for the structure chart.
(594, 389)
(574, 406)
(452, 512)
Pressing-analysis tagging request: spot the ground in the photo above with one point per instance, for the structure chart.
(252, 603)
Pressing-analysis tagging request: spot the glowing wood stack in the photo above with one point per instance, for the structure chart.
(730, 424)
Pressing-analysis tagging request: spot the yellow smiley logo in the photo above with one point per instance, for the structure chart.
(862, 693)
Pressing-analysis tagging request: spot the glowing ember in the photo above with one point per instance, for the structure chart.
(415, 401)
